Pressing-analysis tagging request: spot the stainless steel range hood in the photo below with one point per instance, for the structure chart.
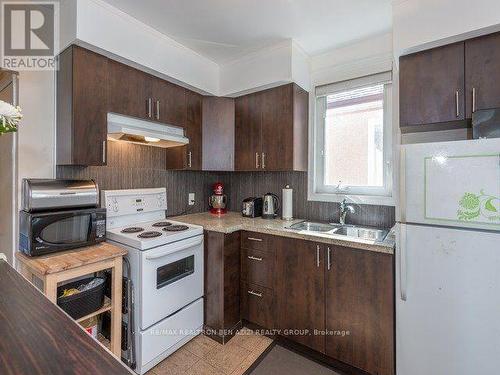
(133, 130)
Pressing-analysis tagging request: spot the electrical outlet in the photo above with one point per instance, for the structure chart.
(191, 199)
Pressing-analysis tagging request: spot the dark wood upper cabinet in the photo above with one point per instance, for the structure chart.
(247, 132)
(482, 72)
(218, 134)
(81, 107)
(271, 130)
(128, 91)
(360, 301)
(301, 290)
(189, 157)
(169, 102)
(432, 86)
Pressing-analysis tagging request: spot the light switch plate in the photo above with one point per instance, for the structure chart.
(191, 199)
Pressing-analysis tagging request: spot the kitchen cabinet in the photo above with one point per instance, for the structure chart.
(169, 102)
(271, 130)
(301, 291)
(189, 157)
(482, 68)
(81, 107)
(128, 91)
(258, 259)
(222, 285)
(218, 134)
(432, 87)
(360, 309)
(247, 132)
(346, 295)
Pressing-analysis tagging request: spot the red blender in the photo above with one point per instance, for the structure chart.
(218, 200)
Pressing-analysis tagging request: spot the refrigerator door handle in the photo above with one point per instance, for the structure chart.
(402, 185)
(403, 281)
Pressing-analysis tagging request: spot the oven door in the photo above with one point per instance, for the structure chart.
(65, 230)
(172, 278)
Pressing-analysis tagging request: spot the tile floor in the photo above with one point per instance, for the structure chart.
(204, 356)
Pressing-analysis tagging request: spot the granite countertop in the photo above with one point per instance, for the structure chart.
(233, 222)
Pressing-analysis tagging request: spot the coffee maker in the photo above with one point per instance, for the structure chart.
(218, 200)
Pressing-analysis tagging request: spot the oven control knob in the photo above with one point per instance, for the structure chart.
(115, 207)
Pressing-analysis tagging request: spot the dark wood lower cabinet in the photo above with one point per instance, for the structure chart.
(301, 292)
(360, 309)
(222, 284)
(340, 305)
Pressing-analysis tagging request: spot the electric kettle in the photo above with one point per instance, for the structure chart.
(271, 206)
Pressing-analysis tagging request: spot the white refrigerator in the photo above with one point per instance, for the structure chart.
(448, 259)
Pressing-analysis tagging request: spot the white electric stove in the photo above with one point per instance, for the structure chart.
(166, 266)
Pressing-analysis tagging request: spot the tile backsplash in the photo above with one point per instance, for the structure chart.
(133, 166)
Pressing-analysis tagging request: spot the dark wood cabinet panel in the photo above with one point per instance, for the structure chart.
(301, 290)
(482, 67)
(360, 301)
(255, 241)
(432, 86)
(277, 132)
(247, 142)
(190, 156)
(257, 267)
(271, 130)
(129, 91)
(82, 107)
(258, 304)
(222, 284)
(218, 134)
(194, 130)
(170, 102)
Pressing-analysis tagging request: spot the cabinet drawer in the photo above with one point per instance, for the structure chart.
(257, 304)
(254, 241)
(257, 267)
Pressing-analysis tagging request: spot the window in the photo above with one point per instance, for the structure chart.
(352, 141)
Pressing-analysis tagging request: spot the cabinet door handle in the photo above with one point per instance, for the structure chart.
(254, 258)
(474, 99)
(263, 161)
(457, 106)
(150, 107)
(329, 254)
(255, 293)
(317, 256)
(104, 151)
(190, 159)
(256, 160)
(157, 109)
(255, 239)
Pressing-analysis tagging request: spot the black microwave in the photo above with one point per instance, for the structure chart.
(49, 232)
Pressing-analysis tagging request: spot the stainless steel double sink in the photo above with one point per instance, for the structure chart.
(354, 231)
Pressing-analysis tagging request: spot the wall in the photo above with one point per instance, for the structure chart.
(282, 63)
(134, 166)
(7, 173)
(252, 184)
(37, 129)
(368, 56)
(420, 24)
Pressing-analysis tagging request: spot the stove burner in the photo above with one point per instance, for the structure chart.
(132, 230)
(176, 228)
(151, 234)
(162, 224)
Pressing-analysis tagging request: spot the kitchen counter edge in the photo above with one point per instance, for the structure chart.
(233, 222)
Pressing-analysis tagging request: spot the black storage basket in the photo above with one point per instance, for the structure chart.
(83, 303)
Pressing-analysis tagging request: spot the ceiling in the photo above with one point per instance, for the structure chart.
(225, 30)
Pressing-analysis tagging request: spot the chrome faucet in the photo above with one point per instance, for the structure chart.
(344, 208)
